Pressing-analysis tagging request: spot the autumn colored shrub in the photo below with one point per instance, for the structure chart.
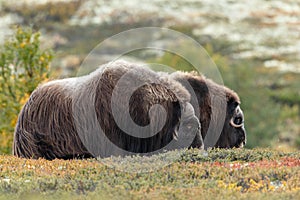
(217, 174)
(23, 65)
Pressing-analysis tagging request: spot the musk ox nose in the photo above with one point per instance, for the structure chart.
(244, 136)
(244, 140)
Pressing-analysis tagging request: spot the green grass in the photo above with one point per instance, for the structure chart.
(192, 174)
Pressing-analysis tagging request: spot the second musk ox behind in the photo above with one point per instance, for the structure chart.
(123, 109)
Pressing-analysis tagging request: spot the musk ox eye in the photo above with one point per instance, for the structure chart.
(237, 122)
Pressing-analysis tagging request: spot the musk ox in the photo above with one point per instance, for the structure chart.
(122, 109)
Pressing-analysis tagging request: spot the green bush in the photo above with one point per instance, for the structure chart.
(23, 65)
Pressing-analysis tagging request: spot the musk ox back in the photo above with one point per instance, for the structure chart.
(105, 113)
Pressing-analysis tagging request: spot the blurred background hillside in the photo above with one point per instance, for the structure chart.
(255, 44)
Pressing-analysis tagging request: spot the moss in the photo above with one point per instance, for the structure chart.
(258, 173)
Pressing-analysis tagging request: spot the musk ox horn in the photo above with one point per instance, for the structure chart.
(232, 123)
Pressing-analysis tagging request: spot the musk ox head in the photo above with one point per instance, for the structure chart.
(233, 133)
(123, 109)
(225, 113)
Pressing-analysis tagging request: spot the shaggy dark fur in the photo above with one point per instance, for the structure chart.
(46, 126)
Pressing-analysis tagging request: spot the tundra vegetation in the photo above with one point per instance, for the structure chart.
(221, 174)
